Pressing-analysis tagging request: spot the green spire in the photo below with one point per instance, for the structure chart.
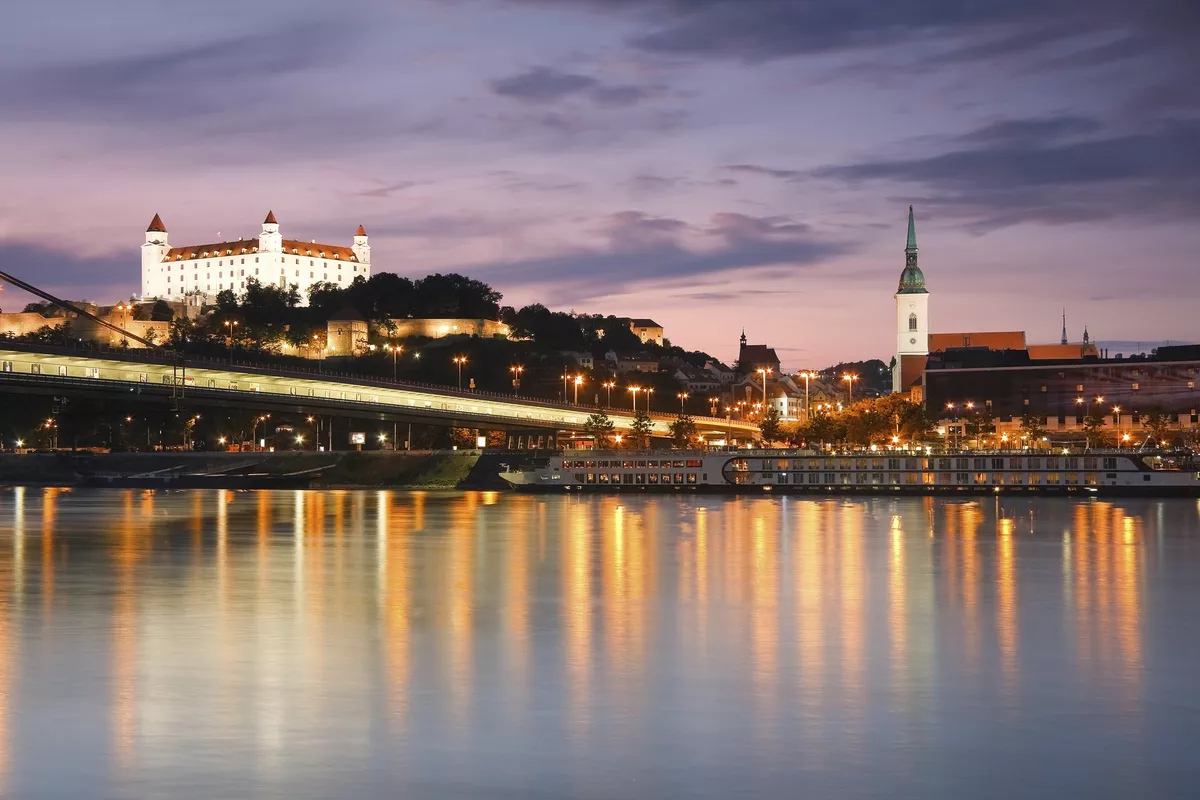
(912, 231)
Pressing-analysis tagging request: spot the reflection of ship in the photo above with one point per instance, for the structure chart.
(798, 471)
(240, 477)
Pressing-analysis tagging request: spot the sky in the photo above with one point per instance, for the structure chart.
(713, 164)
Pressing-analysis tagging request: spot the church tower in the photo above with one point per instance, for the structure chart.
(912, 310)
(154, 250)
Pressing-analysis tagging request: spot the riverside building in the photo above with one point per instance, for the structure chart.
(196, 273)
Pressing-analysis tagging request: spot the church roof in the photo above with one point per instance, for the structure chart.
(756, 354)
(270, 220)
(912, 280)
(156, 225)
(360, 231)
(291, 247)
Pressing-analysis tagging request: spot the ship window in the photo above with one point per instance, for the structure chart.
(691, 478)
(653, 478)
(639, 477)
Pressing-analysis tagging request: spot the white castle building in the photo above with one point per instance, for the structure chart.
(198, 272)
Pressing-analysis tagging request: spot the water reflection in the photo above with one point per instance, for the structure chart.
(703, 644)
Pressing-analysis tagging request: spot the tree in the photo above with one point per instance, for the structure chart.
(162, 311)
(683, 431)
(462, 438)
(1031, 427)
(639, 432)
(227, 301)
(978, 423)
(600, 428)
(769, 426)
(1158, 423)
(1093, 429)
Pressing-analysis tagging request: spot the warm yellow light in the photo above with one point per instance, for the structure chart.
(299, 440)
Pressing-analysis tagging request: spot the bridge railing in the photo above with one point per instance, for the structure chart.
(259, 368)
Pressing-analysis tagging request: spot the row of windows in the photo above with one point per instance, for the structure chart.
(677, 463)
(640, 478)
(943, 463)
(940, 478)
(295, 251)
(207, 265)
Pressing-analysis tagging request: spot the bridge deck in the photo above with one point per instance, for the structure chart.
(119, 372)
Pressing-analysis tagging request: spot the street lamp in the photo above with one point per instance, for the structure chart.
(633, 390)
(683, 396)
(649, 391)
(712, 403)
(460, 360)
(395, 350)
(230, 324)
(806, 375)
(850, 378)
(578, 383)
(764, 371)
(1117, 417)
(609, 385)
(516, 371)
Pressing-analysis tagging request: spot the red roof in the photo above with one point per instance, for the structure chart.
(156, 225)
(361, 231)
(270, 220)
(291, 247)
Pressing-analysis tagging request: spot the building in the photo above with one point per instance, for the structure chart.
(915, 342)
(198, 272)
(579, 358)
(345, 333)
(912, 315)
(1006, 385)
(647, 330)
(83, 329)
(633, 362)
(438, 328)
(753, 357)
(696, 380)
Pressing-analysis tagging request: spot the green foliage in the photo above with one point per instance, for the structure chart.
(683, 431)
(769, 426)
(1158, 424)
(1093, 430)
(462, 438)
(639, 432)
(161, 311)
(1031, 427)
(600, 428)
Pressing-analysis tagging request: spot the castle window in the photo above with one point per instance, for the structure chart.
(912, 322)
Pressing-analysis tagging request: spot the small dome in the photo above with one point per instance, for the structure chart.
(912, 281)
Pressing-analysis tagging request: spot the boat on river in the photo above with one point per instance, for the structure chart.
(1087, 472)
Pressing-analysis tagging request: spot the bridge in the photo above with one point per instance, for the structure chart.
(111, 373)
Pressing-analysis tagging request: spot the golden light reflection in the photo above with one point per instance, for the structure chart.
(461, 603)
(897, 606)
(764, 623)
(852, 580)
(577, 615)
(1006, 603)
(814, 518)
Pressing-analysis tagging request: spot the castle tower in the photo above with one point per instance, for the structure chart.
(154, 250)
(362, 250)
(912, 310)
(270, 241)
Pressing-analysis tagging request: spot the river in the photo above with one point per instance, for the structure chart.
(397, 644)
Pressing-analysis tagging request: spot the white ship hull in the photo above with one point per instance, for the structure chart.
(897, 472)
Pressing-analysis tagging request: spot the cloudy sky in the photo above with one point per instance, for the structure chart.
(713, 164)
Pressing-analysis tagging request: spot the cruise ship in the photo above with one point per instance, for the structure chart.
(1105, 472)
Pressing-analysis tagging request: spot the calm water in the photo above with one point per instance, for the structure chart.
(387, 644)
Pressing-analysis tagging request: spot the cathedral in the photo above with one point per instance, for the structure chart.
(196, 273)
(914, 342)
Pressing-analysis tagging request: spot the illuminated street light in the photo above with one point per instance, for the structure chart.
(395, 350)
(609, 385)
(633, 390)
(578, 383)
(850, 378)
(764, 371)
(230, 324)
(516, 370)
(460, 360)
(683, 396)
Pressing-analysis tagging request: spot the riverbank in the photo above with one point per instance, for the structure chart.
(437, 469)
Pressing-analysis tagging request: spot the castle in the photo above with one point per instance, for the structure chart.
(196, 273)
